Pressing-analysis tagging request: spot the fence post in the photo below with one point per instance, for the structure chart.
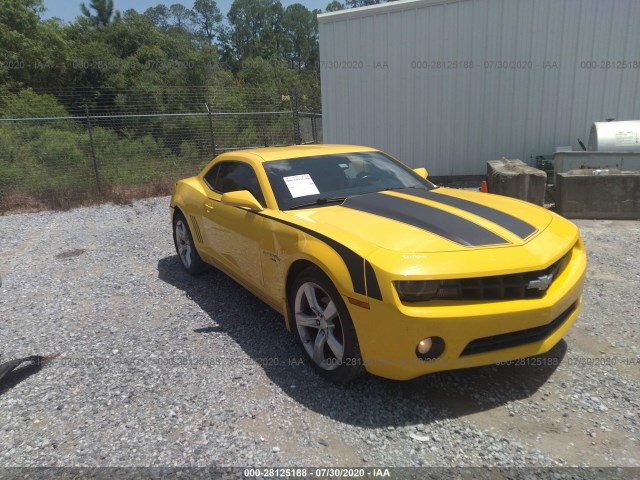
(213, 138)
(93, 150)
(314, 128)
(297, 137)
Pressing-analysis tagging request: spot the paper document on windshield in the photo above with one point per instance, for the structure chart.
(301, 185)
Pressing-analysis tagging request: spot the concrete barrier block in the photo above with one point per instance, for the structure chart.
(516, 179)
(613, 196)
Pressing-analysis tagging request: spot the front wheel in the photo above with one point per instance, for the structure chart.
(323, 327)
(185, 246)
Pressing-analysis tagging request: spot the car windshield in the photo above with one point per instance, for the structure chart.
(324, 179)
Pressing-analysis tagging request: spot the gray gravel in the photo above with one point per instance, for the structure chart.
(156, 368)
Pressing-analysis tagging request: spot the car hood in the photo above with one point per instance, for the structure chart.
(414, 221)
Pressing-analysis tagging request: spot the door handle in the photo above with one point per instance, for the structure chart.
(209, 206)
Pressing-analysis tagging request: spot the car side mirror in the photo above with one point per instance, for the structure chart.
(242, 199)
(422, 172)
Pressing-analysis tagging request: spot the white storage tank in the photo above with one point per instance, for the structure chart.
(615, 136)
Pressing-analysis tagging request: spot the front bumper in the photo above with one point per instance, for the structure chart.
(475, 333)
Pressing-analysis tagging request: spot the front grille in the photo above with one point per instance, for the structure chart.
(515, 339)
(501, 287)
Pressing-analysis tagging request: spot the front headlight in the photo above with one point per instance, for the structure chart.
(417, 290)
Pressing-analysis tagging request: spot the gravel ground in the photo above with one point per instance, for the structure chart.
(156, 368)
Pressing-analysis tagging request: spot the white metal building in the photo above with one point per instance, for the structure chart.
(450, 84)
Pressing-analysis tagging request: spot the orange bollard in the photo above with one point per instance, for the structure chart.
(483, 187)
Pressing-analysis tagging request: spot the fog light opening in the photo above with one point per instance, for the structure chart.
(430, 348)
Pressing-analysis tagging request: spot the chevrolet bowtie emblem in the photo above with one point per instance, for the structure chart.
(540, 283)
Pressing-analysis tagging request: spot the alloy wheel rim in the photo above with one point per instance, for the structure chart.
(319, 326)
(183, 243)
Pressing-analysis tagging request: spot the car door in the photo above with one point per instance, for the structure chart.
(232, 234)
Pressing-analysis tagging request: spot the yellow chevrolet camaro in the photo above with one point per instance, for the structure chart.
(376, 269)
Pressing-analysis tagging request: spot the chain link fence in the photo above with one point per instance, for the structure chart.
(121, 144)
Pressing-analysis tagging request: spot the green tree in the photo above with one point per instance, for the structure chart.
(32, 52)
(335, 6)
(158, 15)
(301, 29)
(181, 16)
(27, 103)
(362, 3)
(255, 29)
(208, 17)
(273, 37)
(104, 12)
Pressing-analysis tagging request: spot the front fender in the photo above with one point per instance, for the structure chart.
(331, 263)
(186, 193)
(351, 274)
(311, 251)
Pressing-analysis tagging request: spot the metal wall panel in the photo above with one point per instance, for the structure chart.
(452, 118)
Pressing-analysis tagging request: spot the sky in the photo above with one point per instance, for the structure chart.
(68, 10)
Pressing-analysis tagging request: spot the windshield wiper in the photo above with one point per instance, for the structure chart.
(320, 201)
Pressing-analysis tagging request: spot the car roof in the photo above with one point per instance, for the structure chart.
(268, 154)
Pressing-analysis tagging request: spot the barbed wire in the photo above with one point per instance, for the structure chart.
(111, 101)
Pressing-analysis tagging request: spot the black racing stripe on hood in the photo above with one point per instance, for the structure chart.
(425, 217)
(509, 222)
(353, 261)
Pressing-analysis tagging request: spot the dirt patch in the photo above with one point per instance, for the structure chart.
(16, 202)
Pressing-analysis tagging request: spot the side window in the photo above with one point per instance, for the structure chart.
(211, 176)
(233, 176)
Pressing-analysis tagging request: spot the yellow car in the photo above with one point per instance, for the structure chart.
(376, 269)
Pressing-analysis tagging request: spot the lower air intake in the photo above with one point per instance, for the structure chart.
(515, 339)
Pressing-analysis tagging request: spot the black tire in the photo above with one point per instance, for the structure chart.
(320, 335)
(185, 247)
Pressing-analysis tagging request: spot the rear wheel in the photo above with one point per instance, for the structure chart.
(185, 246)
(323, 327)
